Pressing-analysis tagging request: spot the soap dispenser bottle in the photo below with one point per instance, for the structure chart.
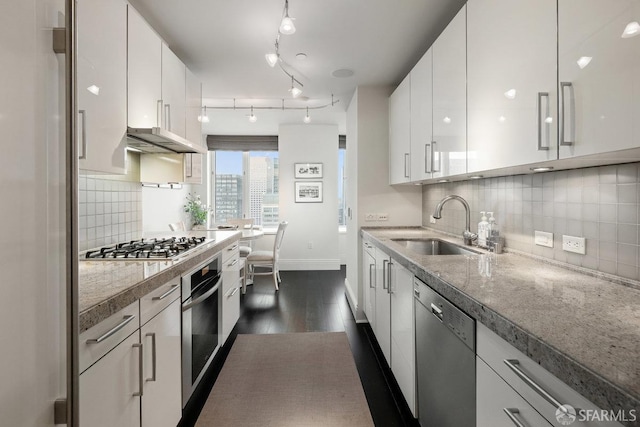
(483, 228)
(493, 232)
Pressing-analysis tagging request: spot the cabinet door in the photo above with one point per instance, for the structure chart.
(511, 78)
(193, 162)
(493, 396)
(369, 283)
(173, 92)
(450, 99)
(145, 73)
(422, 118)
(102, 85)
(231, 265)
(382, 325)
(400, 133)
(162, 402)
(108, 388)
(403, 333)
(599, 72)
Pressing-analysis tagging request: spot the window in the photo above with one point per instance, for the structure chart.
(246, 186)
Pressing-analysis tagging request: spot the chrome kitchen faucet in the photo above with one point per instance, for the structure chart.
(467, 235)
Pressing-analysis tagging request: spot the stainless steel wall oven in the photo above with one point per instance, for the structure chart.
(201, 322)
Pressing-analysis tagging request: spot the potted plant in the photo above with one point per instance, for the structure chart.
(197, 210)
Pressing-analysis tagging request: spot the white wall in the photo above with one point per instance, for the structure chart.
(310, 224)
(161, 206)
(368, 189)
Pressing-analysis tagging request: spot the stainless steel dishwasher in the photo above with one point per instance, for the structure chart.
(445, 361)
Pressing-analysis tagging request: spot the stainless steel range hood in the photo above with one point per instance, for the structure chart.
(157, 140)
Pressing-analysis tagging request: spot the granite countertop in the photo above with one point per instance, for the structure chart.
(582, 328)
(105, 287)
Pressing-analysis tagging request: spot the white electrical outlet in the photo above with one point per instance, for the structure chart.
(370, 217)
(432, 220)
(543, 238)
(573, 244)
(383, 217)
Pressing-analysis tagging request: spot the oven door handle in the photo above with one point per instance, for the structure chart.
(201, 298)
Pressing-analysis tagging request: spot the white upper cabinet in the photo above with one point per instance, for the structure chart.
(450, 99)
(400, 133)
(173, 92)
(422, 161)
(599, 72)
(511, 78)
(145, 73)
(102, 85)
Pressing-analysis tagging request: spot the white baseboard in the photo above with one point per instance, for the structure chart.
(357, 312)
(309, 264)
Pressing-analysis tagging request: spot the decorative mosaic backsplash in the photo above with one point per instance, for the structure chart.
(600, 204)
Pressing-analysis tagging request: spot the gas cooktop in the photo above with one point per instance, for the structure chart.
(145, 249)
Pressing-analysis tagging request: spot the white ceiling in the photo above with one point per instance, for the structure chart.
(224, 42)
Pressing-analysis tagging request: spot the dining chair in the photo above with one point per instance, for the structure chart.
(177, 226)
(242, 223)
(265, 259)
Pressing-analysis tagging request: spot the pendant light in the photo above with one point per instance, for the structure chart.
(286, 25)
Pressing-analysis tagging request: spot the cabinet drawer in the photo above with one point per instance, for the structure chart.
(154, 302)
(229, 252)
(500, 355)
(494, 397)
(100, 339)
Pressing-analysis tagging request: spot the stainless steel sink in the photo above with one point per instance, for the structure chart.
(435, 247)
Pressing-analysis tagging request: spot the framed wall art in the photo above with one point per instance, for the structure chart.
(308, 170)
(308, 192)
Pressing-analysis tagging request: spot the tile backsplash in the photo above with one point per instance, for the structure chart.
(109, 211)
(599, 204)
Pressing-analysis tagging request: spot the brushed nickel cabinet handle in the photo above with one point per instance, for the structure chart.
(389, 278)
(428, 163)
(384, 273)
(153, 356)
(140, 391)
(83, 134)
(514, 365)
(407, 173)
(125, 320)
(167, 117)
(433, 161)
(563, 121)
(166, 294)
(372, 283)
(159, 113)
(511, 413)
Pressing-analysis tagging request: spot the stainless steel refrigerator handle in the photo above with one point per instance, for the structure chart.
(140, 391)
(83, 138)
(513, 364)
(540, 120)
(159, 113)
(153, 356)
(166, 294)
(433, 162)
(126, 319)
(563, 85)
(371, 280)
(511, 413)
(406, 174)
(428, 163)
(384, 272)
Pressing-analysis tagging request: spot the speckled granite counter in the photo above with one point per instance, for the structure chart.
(106, 287)
(583, 329)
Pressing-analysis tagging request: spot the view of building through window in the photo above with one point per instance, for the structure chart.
(246, 186)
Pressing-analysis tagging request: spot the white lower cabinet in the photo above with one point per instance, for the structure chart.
(382, 325)
(230, 289)
(369, 282)
(162, 399)
(498, 405)
(109, 390)
(403, 332)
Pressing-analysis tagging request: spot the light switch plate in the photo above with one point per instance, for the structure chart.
(574, 244)
(542, 238)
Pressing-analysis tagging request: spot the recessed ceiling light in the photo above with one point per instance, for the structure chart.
(542, 169)
(342, 73)
(475, 176)
(443, 180)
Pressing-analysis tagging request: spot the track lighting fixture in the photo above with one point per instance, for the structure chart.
(204, 118)
(307, 119)
(286, 25)
(252, 117)
(295, 92)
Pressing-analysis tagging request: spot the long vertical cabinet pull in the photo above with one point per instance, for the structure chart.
(154, 360)
(140, 391)
(428, 158)
(167, 117)
(511, 413)
(407, 171)
(83, 137)
(384, 273)
(542, 120)
(372, 283)
(389, 278)
(433, 161)
(159, 113)
(563, 112)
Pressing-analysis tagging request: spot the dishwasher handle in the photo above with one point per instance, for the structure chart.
(436, 311)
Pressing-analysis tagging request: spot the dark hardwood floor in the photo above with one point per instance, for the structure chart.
(310, 301)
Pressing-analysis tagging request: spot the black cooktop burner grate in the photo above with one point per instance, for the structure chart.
(146, 248)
